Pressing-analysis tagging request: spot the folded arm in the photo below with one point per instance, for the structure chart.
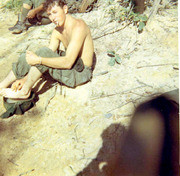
(33, 12)
(72, 52)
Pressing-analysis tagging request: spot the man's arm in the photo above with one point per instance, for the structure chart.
(55, 41)
(33, 12)
(39, 8)
(72, 52)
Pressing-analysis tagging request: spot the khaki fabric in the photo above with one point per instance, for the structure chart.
(34, 3)
(17, 106)
(79, 74)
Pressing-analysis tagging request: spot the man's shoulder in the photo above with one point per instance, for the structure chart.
(81, 26)
(81, 23)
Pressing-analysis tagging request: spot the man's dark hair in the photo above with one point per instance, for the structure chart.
(49, 3)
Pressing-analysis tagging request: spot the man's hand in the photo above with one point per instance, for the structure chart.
(32, 59)
(18, 84)
(31, 13)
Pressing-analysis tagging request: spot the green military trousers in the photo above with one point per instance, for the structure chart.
(79, 74)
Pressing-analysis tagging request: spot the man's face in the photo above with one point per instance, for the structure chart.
(57, 14)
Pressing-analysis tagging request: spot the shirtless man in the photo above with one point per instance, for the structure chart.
(32, 13)
(72, 68)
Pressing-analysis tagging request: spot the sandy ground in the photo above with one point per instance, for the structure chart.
(70, 130)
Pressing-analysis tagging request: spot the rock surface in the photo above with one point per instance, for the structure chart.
(70, 130)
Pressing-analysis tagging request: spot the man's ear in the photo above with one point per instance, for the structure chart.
(65, 8)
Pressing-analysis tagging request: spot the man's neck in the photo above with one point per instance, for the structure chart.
(66, 23)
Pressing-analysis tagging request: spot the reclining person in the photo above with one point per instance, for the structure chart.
(72, 67)
(32, 13)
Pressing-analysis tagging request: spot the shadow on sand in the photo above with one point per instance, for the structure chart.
(104, 163)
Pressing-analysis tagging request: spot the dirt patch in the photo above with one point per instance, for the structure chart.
(73, 130)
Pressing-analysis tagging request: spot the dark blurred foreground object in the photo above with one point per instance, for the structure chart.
(18, 107)
(151, 145)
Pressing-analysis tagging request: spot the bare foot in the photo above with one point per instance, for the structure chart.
(9, 93)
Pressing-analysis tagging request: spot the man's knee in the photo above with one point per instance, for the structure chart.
(21, 67)
(46, 52)
(22, 59)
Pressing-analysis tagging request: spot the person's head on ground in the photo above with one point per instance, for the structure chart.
(56, 10)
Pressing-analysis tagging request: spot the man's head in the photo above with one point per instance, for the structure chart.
(48, 4)
(57, 10)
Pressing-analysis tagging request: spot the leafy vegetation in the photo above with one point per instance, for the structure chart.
(115, 58)
(139, 19)
(13, 5)
(123, 11)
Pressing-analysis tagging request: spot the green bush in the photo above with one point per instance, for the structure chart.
(124, 11)
(13, 5)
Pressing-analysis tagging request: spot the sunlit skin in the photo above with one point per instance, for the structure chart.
(76, 37)
(32, 12)
(57, 15)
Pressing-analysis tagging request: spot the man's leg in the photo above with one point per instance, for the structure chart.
(33, 75)
(21, 69)
(45, 21)
(20, 25)
(10, 78)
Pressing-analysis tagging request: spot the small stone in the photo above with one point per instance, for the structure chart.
(108, 115)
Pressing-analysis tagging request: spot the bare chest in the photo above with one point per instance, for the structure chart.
(65, 39)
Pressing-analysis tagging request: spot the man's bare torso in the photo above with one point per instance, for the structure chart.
(65, 36)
